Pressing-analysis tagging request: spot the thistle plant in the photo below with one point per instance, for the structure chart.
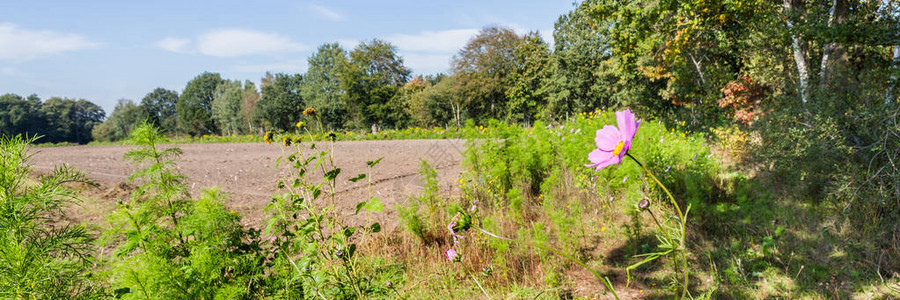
(39, 256)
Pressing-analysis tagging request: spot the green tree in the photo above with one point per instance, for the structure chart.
(249, 98)
(20, 115)
(527, 88)
(412, 94)
(118, 126)
(322, 87)
(583, 73)
(429, 100)
(442, 103)
(159, 107)
(281, 102)
(483, 69)
(226, 107)
(70, 120)
(373, 77)
(194, 106)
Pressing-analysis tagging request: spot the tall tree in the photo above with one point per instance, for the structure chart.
(226, 107)
(249, 98)
(322, 88)
(20, 115)
(281, 104)
(430, 100)
(483, 68)
(583, 74)
(194, 107)
(70, 120)
(793, 9)
(118, 126)
(159, 108)
(372, 78)
(527, 88)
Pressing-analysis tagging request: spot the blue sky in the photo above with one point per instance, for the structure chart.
(109, 50)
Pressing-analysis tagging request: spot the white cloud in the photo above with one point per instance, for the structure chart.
(427, 63)
(291, 66)
(9, 71)
(178, 45)
(547, 35)
(326, 13)
(437, 41)
(232, 43)
(240, 42)
(22, 44)
(349, 44)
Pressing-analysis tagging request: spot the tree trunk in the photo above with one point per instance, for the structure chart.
(890, 94)
(832, 50)
(799, 47)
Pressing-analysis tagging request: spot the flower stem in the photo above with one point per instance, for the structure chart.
(602, 278)
(671, 199)
(681, 219)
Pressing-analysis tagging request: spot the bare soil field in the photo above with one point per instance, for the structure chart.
(247, 173)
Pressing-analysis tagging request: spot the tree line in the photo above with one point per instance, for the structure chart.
(705, 61)
(56, 119)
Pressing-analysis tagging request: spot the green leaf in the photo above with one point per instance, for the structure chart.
(351, 250)
(376, 227)
(359, 206)
(372, 163)
(316, 192)
(331, 175)
(348, 232)
(374, 205)
(358, 178)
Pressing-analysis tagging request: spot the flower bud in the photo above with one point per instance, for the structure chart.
(644, 204)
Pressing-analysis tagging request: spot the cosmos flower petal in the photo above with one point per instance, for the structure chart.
(627, 125)
(601, 159)
(607, 138)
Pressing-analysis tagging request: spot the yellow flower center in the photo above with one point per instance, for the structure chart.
(619, 148)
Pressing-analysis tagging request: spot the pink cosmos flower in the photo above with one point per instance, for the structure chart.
(452, 255)
(612, 142)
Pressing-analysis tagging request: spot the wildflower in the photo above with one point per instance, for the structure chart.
(300, 124)
(709, 155)
(644, 204)
(286, 141)
(613, 143)
(268, 137)
(452, 255)
(667, 169)
(310, 112)
(624, 179)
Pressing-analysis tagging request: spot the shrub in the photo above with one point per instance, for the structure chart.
(40, 257)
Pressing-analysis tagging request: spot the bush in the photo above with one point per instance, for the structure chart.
(40, 257)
